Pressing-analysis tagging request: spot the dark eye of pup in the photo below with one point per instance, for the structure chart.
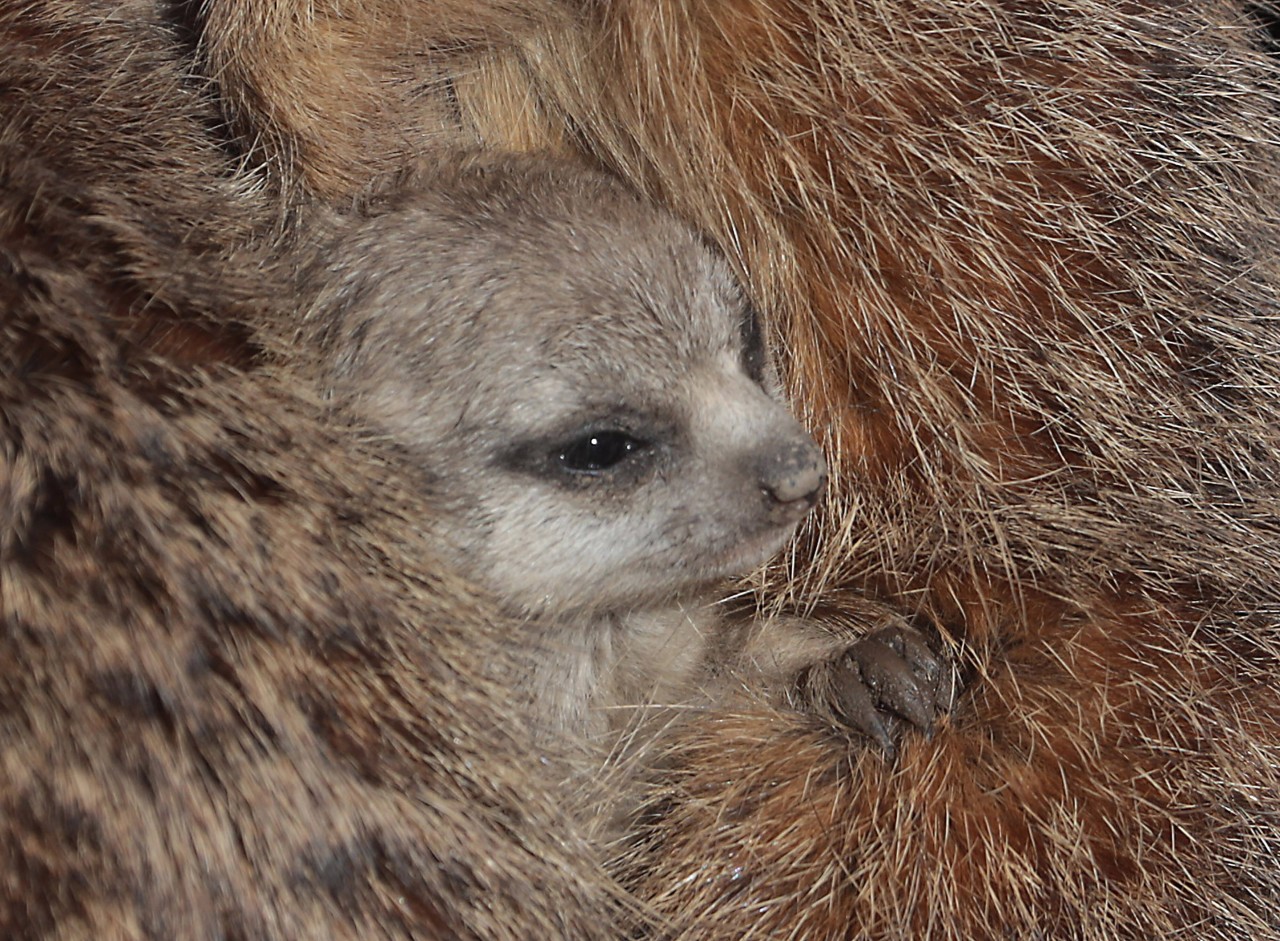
(598, 451)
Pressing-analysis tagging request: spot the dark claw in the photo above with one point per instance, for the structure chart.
(892, 682)
(888, 677)
(856, 706)
(920, 657)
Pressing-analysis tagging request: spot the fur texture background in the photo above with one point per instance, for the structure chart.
(1020, 259)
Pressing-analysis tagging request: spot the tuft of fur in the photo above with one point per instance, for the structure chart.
(1020, 261)
(335, 94)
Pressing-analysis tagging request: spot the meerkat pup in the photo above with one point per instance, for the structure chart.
(584, 385)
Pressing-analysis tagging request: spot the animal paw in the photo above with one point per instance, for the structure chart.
(875, 685)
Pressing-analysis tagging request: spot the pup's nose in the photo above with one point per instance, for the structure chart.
(795, 474)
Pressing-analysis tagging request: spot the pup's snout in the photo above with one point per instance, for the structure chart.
(795, 474)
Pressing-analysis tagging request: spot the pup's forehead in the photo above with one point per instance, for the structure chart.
(655, 290)
(544, 273)
(620, 329)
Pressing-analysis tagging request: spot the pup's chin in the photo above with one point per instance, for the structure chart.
(645, 585)
(714, 564)
(745, 555)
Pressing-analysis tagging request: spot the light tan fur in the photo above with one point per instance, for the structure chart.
(1019, 263)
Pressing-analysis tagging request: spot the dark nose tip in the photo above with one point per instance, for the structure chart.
(795, 474)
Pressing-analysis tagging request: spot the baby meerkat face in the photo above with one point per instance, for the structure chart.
(623, 487)
(585, 381)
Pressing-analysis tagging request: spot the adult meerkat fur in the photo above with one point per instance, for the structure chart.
(584, 388)
(1021, 260)
(216, 720)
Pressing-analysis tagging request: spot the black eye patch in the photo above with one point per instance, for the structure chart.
(610, 451)
(598, 451)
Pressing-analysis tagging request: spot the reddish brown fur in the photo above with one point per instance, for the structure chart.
(1021, 260)
(1016, 389)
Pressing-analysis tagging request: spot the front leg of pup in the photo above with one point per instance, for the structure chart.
(877, 684)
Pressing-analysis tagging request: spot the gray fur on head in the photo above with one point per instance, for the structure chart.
(498, 319)
(584, 385)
